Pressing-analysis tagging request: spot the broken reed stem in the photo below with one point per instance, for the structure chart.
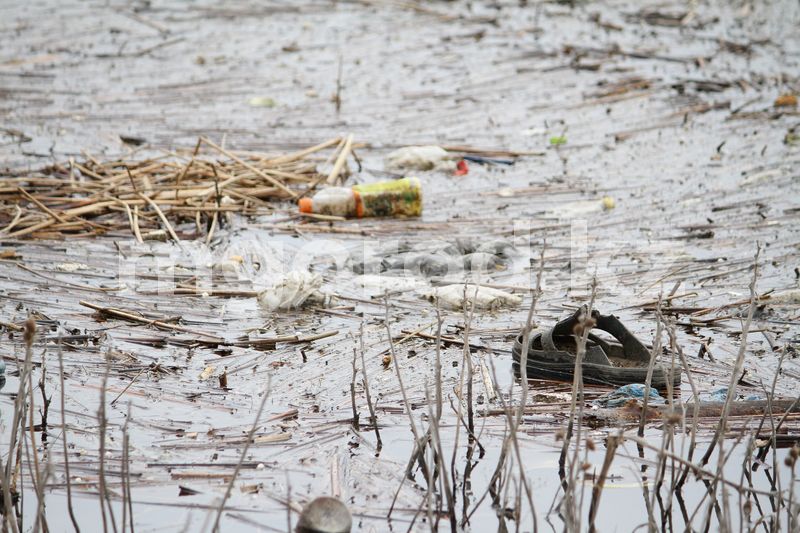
(470, 372)
(161, 215)
(70, 509)
(673, 339)
(18, 481)
(127, 498)
(187, 167)
(249, 167)
(17, 422)
(514, 420)
(250, 435)
(355, 424)
(36, 479)
(372, 415)
(439, 456)
(438, 364)
(288, 501)
(118, 313)
(466, 365)
(105, 498)
(430, 481)
(699, 471)
(338, 96)
(581, 336)
(40, 514)
(437, 452)
(650, 367)
(612, 442)
(737, 367)
(333, 177)
(136, 231)
(396, 365)
(123, 477)
(128, 386)
(215, 216)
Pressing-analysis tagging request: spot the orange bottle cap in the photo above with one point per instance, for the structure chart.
(305, 205)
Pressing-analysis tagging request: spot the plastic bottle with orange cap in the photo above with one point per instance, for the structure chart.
(401, 197)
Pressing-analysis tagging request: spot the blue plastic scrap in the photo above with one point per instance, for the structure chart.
(487, 160)
(720, 394)
(633, 391)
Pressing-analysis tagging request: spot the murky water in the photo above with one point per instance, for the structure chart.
(698, 177)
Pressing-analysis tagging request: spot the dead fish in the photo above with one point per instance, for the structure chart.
(325, 515)
(452, 297)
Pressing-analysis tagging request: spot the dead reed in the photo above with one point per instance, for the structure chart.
(149, 197)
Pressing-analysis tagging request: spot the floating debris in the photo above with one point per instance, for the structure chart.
(455, 296)
(292, 291)
(325, 515)
(420, 158)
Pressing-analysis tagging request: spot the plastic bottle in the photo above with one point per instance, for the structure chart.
(382, 199)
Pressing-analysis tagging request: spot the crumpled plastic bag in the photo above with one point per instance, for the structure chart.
(419, 158)
(633, 391)
(499, 247)
(720, 394)
(481, 261)
(292, 291)
(437, 258)
(452, 297)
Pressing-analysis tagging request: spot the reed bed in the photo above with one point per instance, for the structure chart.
(149, 197)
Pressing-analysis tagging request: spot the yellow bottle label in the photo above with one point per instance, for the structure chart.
(391, 198)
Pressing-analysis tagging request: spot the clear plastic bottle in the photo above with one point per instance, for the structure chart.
(382, 199)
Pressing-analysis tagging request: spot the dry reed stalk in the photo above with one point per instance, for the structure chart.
(36, 478)
(118, 313)
(355, 423)
(514, 420)
(64, 432)
(581, 334)
(250, 435)
(597, 489)
(406, 403)
(373, 417)
(250, 167)
(650, 368)
(51, 202)
(439, 456)
(18, 421)
(333, 177)
(163, 218)
(103, 492)
(735, 376)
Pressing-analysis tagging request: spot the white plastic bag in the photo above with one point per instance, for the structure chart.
(291, 291)
(419, 158)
